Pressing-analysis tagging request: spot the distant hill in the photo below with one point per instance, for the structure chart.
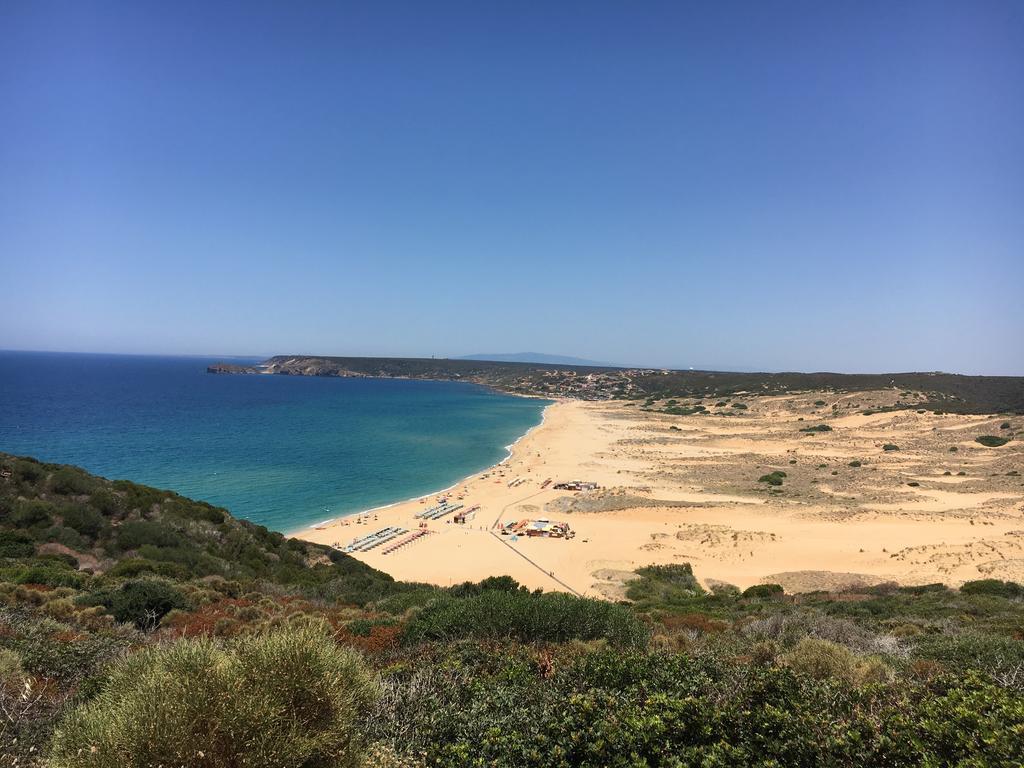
(944, 392)
(537, 357)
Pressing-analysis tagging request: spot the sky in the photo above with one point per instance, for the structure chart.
(737, 185)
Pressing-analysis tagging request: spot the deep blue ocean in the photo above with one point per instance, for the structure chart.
(284, 451)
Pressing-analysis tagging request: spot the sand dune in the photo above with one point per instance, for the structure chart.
(685, 489)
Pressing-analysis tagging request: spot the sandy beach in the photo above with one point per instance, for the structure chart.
(679, 489)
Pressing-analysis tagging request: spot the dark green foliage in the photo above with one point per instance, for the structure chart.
(49, 574)
(818, 428)
(1008, 589)
(664, 585)
(855, 464)
(890, 447)
(137, 533)
(71, 481)
(1005, 425)
(739, 406)
(819, 403)
(16, 544)
(657, 709)
(495, 583)
(135, 566)
(31, 513)
(773, 478)
(143, 602)
(992, 441)
(764, 591)
(552, 617)
(86, 520)
(179, 538)
(685, 411)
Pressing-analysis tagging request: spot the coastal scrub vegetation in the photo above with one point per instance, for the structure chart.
(992, 441)
(141, 628)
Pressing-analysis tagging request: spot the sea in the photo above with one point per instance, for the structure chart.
(283, 451)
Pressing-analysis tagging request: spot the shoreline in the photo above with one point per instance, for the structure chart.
(509, 453)
(685, 489)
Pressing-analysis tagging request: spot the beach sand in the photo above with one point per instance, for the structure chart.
(678, 489)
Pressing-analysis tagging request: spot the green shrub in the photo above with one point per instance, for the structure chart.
(773, 478)
(143, 602)
(1005, 425)
(16, 544)
(818, 428)
(137, 533)
(32, 513)
(134, 566)
(86, 520)
(739, 406)
(529, 617)
(51, 575)
(764, 591)
(1007, 589)
(890, 447)
(105, 501)
(68, 481)
(819, 403)
(855, 464)
(823, 659)
(289, 698)
(995, 655)
(992, 441)
(664, 585)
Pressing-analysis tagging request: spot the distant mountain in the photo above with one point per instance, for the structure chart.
(537, 357)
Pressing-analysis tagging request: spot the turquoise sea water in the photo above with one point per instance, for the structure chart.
(282, 451)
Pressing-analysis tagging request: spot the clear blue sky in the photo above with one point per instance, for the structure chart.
(773, 185)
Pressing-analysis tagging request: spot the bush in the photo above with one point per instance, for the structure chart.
(496, 583)
(551, 617)
(32, 513)
(50, 575)
(664, 585)
(818, 428)
(773, 478)
(288, 698)
(890, 447)
(991, 441)
(134, 566)
(1007, 589)
(86, 520)
(143, 603)
(823, 659)
(16, 544)
(764, 590)
(137, 533)
(855, 464)
(68, 481)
